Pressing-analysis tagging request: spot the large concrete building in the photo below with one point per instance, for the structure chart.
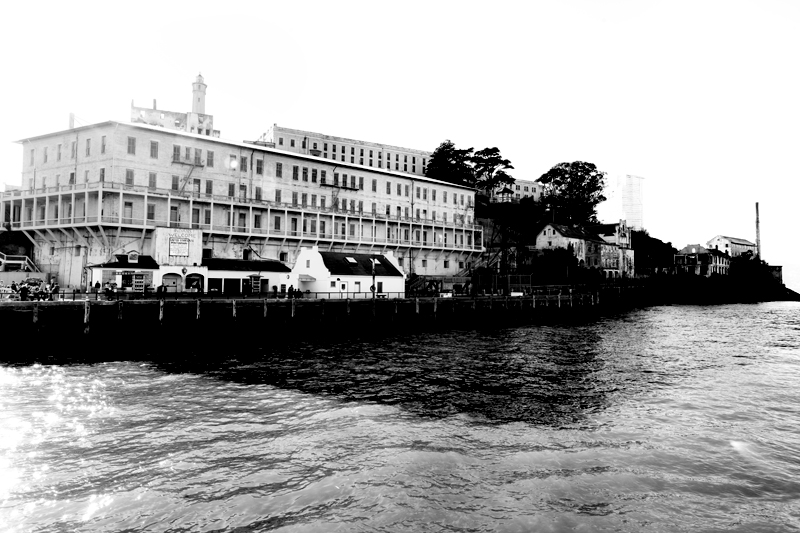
(362, 153)
(93, 192)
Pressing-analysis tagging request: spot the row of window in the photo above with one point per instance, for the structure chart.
(315, 146)
(177, 184)
(187, 154)
(308, 225)
(380, 163)
(59, 151)
(298, 199)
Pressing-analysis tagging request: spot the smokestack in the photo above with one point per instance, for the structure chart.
(758, 234)
(71, 120)
(154, 104)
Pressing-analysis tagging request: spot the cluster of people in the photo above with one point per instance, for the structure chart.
(109, 290)
(34, 290)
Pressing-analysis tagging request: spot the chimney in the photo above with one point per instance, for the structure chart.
(71, 120)
(154, 104)
(758, 234)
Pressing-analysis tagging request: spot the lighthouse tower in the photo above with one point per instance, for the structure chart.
(199, 96)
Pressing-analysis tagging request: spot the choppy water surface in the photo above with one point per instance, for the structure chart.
(662, 419)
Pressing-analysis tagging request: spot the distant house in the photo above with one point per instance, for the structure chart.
(701, 261)
(618, 234)
(348, 275)
(733, 246)
(587, 247)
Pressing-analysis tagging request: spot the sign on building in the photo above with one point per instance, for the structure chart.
(178, 246)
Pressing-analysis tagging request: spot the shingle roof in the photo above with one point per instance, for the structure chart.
(146, 262)
(244, 265)
(576, 233)
(338, 265)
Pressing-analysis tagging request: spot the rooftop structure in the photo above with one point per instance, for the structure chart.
(196, 121)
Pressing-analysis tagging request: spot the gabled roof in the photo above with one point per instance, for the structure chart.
(146, 262)
(735, 240)
(346, 264)
(244, 265)
(576, 233)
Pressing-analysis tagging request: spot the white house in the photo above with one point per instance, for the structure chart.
(733, 246)
(348, 275)
(586, 246)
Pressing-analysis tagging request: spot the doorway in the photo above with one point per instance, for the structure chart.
(194, 282)
(173, 282)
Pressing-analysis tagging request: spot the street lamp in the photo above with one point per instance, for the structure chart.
(373, 288)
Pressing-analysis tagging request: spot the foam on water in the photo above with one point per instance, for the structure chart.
(662, 419)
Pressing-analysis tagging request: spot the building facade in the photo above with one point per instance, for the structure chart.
(91, 192)
(733, 246)
(586, 247)
(618, 260)
(362, 153)
(699, 261)
(349, 275)
(526, 189)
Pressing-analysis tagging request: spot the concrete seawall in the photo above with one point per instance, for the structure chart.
(198, 319)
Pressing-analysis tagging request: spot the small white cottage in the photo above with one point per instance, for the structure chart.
(348, 275)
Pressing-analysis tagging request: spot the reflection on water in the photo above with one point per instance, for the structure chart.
(663, 419)
(497, 376)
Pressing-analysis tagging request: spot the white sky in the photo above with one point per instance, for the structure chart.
(701, 98)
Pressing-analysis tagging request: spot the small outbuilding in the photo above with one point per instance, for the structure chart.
(349, 275)
(243, 276)
(131, 272)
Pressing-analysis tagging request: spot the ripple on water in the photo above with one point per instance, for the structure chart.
(662, 419)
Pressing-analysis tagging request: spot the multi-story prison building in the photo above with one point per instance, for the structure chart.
(94, 191)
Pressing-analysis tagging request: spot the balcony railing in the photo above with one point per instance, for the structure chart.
(234, 200)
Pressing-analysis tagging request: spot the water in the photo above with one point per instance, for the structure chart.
(661, 419)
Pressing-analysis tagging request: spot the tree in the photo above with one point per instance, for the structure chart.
(572, 192)
(652, 255)
(490, 170)
(448, 163)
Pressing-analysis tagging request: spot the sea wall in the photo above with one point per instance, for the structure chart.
(209, 320)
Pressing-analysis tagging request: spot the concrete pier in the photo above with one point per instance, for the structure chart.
(138, 320)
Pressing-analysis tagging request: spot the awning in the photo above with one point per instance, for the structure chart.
(306, 277)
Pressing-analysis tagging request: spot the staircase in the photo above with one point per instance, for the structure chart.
(20, 263)
(467, 271)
